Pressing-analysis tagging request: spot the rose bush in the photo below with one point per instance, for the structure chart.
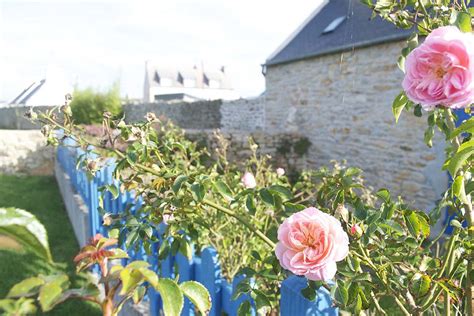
(376, 246)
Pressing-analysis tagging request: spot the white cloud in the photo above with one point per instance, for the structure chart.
(97, 42)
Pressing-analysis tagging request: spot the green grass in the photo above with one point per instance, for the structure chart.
(40, 196)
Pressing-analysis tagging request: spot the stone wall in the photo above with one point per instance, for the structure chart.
(12, 117)
(25, 152)
(243, 115)
(236, 120)
(240, 115)
(342, 103)
(198, 115)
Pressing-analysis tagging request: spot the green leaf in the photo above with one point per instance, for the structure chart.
(401, 64)
(267, 197)
(417, 224)
(342, 295)
(118, 254)
(172, 297)
(250, 204)
(22, 306)
(27, 287)
(398, 105)
(458, 189)
(50, 293)
(428, 138)
(262, 302)
(360, 212)
(384, 194)
(138, 264)
(424, 225)
(465, 127)
(224, 190)
(25, 229)
(113, 190)
(150, 276)
(352, 171)
(309, 293)
(458, 160)
(244, 309)
(138, 294)
(178, 183)
(420, 285)
(198, 295)
(198, 192)
(412, 223)
(185, 248)
(463, 22)
(417, 111)
(362, 277)
(282, 191)
(256, 255)
(131, 278)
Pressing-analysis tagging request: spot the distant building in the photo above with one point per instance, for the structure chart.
(186, 84)
(48, 91)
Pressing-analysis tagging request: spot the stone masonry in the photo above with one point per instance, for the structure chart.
(25, 152)
(342, 103)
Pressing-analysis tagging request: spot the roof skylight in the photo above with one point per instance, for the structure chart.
(334, 24)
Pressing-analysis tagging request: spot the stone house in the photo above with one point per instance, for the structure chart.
(187, 84)
(334, 80)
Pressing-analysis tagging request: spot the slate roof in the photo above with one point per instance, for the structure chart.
(357, 30)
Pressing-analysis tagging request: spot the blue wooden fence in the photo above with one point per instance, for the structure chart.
(204, 268)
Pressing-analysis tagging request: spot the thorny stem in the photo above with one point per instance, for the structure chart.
(367, 259)
(240, 219)
(435, 292)
(469, 218)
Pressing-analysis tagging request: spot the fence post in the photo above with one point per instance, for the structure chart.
(185, 270)
(293, 303)
(208, 273)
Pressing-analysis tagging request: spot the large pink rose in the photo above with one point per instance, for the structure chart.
(440, 71)
(310, 243)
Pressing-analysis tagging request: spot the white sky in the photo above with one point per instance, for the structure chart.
(99, 42)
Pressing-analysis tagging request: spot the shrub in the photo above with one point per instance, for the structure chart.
(88, 106)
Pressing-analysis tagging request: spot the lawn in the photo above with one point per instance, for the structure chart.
(40, 196)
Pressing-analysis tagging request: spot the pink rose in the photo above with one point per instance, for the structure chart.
(280, 172)
(248, 180)
(310, 243)
(440, 71)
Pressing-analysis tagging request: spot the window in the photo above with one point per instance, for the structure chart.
(180, 78)
(334, 24)
(205, 80)
(157, 78)
(189, 83)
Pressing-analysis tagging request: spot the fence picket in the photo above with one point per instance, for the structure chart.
(208, 273)
(185, 270)
(293, 303)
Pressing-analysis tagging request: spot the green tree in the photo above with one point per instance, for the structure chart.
(89, 105)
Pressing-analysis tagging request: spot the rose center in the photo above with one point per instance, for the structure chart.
(440, 72)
